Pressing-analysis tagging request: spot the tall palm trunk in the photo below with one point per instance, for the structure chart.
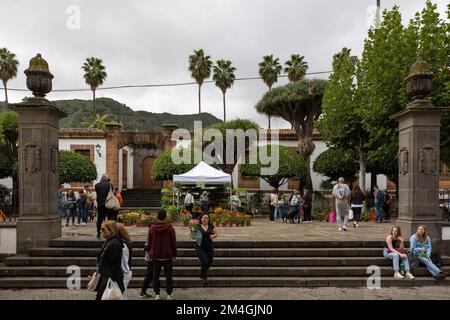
(224, 112)
(6, 92)
(94, 111)
(269, 122)
(199, 99)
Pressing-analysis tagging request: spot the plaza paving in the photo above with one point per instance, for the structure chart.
(261, 229)
(330, 293)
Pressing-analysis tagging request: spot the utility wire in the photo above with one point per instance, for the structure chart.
(161, 85)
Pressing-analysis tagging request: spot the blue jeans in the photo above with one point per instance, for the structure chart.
(60, 211)
(82, 214)
(430, 265)
(70, 213)
(279, 211)
(378, 211)
(396, 260)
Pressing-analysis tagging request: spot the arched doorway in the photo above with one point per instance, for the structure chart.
(147, 181)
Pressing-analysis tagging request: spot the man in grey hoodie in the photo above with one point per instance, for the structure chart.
(341, 193)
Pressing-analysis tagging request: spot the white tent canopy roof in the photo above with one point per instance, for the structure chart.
(203, 173)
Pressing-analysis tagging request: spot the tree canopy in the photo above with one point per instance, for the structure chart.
(299, 103)
(335, 163)
(291, 164)
(74, 167)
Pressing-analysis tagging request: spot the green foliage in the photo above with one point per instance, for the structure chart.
(6, 167)
(9, 135)
(100, 122)
(269, 70)
(164, 168)
(335, 163)
(75, 167)
(8, 67)
(296, 67)
(291, 164)
(79, 110)
(200, 68)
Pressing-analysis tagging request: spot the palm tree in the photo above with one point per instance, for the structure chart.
(224, 78)
(8, 68)
(200, 68)
(296, 67)
(269, 69)
(95, 75)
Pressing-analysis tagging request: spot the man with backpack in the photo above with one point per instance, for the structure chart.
(380, 198)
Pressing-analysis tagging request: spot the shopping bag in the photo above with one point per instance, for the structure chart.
(111, 201)
(94, 281)
(112, 291)
(196, 235)
(332, 216)
(350, 214)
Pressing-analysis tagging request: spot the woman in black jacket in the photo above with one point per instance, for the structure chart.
(110, 258)
(357, 198)
(205, 251)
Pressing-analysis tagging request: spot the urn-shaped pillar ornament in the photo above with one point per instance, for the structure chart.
(418, 82)
(39, 78)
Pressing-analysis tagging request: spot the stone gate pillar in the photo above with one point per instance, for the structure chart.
(38, 161)
(419, 164)
(112, 153)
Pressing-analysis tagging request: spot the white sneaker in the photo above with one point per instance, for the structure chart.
(409, 275)
(345, 228)
(157, 297)
(83, 224)
(397, 275)
(340, 229)
(169, 297)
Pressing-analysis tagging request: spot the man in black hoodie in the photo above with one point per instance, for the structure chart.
(162, 244)
(102, 189)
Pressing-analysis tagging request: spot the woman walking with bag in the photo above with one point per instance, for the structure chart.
(205, 251)
(110, 258)
(357, 198)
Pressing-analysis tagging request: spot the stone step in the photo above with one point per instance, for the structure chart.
(192, 271)
(136, 282)
(219, 261)
(97, 243)
(223, 252)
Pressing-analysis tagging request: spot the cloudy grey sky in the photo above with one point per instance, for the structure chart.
(148, 42)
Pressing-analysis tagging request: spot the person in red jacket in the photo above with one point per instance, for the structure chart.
(162, 244)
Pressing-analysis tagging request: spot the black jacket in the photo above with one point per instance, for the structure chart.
(102, 190)
(110, 262)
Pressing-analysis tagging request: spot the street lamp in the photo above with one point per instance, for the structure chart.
(97, 148)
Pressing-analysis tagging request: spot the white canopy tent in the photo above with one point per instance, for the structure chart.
(203, 173)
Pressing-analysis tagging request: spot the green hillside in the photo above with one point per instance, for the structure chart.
(78, 110)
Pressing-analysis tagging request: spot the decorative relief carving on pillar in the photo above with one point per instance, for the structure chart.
(403, 161)
(427, 160)
(32, 157)
(54, 158)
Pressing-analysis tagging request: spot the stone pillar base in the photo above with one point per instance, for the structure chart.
(33, 233)
(434, 227)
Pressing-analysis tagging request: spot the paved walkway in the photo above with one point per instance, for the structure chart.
(331, 293)
(262, 229)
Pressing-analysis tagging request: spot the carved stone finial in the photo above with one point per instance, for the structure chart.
(418, 82)
(39, 78)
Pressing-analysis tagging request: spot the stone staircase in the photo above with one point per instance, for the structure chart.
(141, 198)
(236, 264)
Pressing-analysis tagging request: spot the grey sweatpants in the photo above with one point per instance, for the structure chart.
(342, 212)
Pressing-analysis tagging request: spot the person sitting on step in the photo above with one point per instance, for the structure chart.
(393, 249)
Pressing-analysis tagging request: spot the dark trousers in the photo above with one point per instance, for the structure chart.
(206, 256)
(102, 211)
(387, 211)
(148, 277)
(112, 214)
(356, 214)
(168, 268)
(307, 213)
(189, 207)
(271, 212)
(294, 213)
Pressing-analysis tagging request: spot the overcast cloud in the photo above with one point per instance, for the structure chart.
(148, 42)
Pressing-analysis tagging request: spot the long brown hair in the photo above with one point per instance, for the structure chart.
(123, 232)
(399, 231)
(356, 190)
(111, 225)
(425, 235)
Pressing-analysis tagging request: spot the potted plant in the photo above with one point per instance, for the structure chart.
(186, 218)
(213, 219)
(248, 220)
(224, 219)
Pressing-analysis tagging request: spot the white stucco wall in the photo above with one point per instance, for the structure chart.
(99, 161)
(129, 168)
(7, 182)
